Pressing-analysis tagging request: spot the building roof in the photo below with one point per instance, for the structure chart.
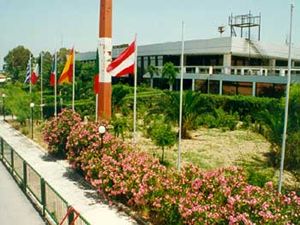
(215, 46)
(219, 46)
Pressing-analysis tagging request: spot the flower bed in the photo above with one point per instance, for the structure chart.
(166, 196)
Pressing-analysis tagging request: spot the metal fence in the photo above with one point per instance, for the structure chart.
(53, 207)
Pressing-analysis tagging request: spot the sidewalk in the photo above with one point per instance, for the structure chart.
(67, 183)
(15, 208)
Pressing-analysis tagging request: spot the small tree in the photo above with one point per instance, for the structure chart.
(163, 136)
(169, 72)
(152, 70)
(120, 126)
(18, 100)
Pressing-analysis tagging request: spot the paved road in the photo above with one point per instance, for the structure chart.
(15, 208)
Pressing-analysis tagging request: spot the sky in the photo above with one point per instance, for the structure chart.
(50, 24)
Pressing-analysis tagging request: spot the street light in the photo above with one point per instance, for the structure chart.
(3, 106)
(102, 131)
(31, 120)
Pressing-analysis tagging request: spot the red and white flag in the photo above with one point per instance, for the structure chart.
(124, 64)
(35, 74)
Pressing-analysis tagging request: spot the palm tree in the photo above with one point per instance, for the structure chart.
(152, 70)
(190, 107)
(169, 72)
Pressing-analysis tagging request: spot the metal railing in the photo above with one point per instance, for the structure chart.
(238, 70)
(51, 205)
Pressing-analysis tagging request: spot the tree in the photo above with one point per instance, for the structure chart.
(152, 70)
(120, 126)
(169, 72)
(16, 62)
(18, 100)
(163, 136)
(273, 121)
(190, 107)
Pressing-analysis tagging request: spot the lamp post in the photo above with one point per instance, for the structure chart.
(31, 118)
(3, 106)
(102, 131)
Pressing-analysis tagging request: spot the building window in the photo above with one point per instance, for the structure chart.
(160, 60)
(146, 62)
(139, 62)
(152, 60)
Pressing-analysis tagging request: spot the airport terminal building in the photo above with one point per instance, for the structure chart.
(225, 65)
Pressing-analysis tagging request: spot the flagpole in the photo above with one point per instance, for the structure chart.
(30, 86)
(41, 86)
(135, 87)
(286, 103)
(55, 84)
(73, 91)
(97, 85)
(181, 99)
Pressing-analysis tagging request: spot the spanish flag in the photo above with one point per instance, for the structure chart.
(67, 74)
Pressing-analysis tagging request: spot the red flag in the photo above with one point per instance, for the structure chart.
(52, 75)
(96, 84)
(52, 79)
(124, 64)
(35, 74)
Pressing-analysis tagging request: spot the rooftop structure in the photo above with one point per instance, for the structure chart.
(245, 24)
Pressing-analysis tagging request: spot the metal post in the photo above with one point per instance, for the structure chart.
(31, 123)
(71, 216)
(55, 84)
(43, 195)
(181, 99)
(12, 160)
(24, 176)
(254, 89)
(221, 87)
(2, 150)
(42, 87)
(135, 90)
(73, 82)
(286, 104)
(193, 84)
(101, 140)
(31, 119)
(3, 106)
(101, 131)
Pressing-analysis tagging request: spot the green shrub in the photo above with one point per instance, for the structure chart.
(218, 119)
(207, 120)
(257, 176)
(293, 151)
(120, 125)
(85, 107)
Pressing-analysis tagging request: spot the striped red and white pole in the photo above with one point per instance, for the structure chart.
(105, 57)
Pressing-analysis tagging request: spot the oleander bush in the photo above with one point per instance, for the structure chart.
(57, 130)
(82, 137)
(191, 196)
(164, 195)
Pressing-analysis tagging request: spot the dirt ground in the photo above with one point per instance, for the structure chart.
(214, 148)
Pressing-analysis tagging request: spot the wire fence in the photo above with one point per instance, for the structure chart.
(52, 206)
